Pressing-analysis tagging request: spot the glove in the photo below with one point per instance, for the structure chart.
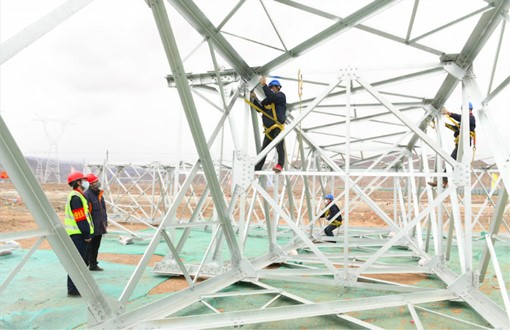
(253, 96)
(444, 111)
(262, 81)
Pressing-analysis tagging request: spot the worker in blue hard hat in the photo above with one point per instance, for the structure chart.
(332, 214)
(455, 126)
(273, 109)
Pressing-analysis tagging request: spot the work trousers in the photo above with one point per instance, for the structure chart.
(93, 250)
(82, 248)
(279, 149)
(329, 231)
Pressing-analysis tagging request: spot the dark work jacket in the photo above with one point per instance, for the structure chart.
(280, 101)
(330, 214)
(97, 208)
(458, 118)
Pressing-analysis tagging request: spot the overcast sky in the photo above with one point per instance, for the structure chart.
(96, 83)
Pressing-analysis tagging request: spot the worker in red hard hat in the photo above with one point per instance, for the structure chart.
(78, 222)
(97, 208)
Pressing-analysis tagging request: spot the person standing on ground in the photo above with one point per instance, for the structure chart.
(97, 210)
(78, 222)
(273, 109)
(456, 119)
(330, 215)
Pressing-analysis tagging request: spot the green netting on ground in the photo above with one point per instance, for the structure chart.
(196, 244)
(37, 297)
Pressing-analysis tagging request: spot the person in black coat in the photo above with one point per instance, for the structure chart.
(97, 208)
(272, 121)
(330, 215)
(456, 127)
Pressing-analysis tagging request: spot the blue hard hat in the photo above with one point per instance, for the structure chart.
(470, 105)
(329, 196)
(274, 83)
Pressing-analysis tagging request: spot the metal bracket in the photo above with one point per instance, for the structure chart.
(461, 174)
(243, 171)
(454, 70)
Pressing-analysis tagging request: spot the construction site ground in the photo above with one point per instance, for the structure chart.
(36, 298)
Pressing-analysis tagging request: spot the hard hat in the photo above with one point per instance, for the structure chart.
(470, 105)
(274, 83)
(75, 176)
(91, 178)
(329, 196)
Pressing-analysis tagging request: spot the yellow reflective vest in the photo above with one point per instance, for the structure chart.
(69, 221)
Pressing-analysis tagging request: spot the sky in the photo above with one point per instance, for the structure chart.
(96, 83)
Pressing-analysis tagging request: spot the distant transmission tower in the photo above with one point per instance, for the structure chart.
(52, 169)
(39, 174)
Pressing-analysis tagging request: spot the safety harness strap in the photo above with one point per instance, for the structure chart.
(276, 124)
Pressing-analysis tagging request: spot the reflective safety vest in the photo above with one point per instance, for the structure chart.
(69, 221)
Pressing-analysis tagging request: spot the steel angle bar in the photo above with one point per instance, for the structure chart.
(388, 287)
(476, 41)
(36, 30)
(171, 304)
(416, 318)
(361, 27)
(359, 322)
(174, 60)
(369, 201)
(209, 306)
(12, 236)
(494, 227)
(411, 21)
(45, 217)
(271, 20)
(232, 125)
(437, 239)
(182, 267)
(240, 318)
(215, 240)
(451, 317)
(404, 230)
(192, 13)
(458, 20)
(496, 56)
(497, 90)
(499, 150)
(20, 265)
(388, 82)
(361, 118)
(415, 204)
(283, 292)
(170, 215)
(423, 136)
(486, 201)
(350, 21)
(296, 229)
(499, 276)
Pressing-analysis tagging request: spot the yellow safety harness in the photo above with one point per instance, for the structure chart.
(274, 118)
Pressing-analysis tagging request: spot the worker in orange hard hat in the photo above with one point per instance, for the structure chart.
(78, 222)
(97, 208)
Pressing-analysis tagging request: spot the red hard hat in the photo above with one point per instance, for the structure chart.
(91, 177)
(75, 176)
